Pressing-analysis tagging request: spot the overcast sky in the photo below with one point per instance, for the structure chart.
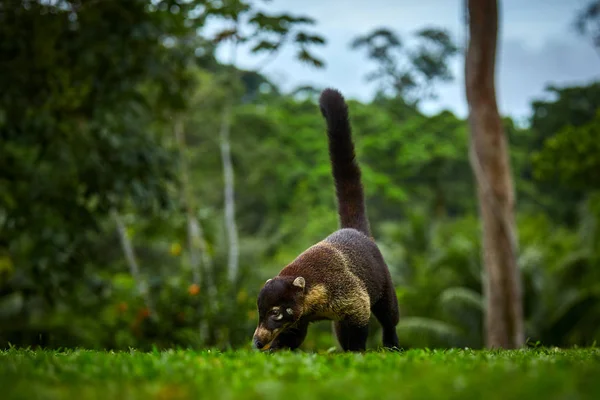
(538, 46)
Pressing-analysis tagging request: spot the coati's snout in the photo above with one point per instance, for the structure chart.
(280, 305)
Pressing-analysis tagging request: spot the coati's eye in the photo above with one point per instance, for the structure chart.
(276, 314)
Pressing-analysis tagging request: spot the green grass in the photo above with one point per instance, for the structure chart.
(415, 374)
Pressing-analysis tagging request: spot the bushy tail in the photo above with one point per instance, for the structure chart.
(346, 172)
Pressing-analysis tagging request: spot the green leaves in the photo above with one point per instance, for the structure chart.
(572, 155)
(87, 90)
(562, 149)
(90, 95)
(267, 33)
(279, 23)
(306, 38)
(409, 73)
(305, 56)
(228, 10)
(265, 45)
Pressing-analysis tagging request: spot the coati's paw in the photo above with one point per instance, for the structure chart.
(393, 349)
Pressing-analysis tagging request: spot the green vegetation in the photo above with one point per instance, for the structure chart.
(416, 374)
(113, 120)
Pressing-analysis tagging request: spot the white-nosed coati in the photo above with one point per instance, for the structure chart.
(342, 278)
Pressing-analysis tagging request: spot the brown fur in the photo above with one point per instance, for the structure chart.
(344, 277)
(330, 268)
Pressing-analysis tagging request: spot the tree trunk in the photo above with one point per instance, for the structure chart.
(200, 260)
(229, 195)
(491, 166)
(134, 270)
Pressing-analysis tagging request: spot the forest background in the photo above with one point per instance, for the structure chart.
(147, 190)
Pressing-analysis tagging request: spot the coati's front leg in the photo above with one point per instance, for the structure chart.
(351, 336)
(292, 337)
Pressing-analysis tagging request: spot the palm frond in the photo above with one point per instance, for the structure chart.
(462, 296)
(440, 330)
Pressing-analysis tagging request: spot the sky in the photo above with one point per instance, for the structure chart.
(538, 46)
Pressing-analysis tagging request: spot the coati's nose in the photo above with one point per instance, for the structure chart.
(258, 344)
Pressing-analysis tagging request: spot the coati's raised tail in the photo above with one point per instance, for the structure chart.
(342, 278)
(346, 172)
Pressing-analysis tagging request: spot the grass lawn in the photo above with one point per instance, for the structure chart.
(414, 374)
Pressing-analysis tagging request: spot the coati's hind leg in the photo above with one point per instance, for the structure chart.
(291, 338)
(351, 336)
(387, 313)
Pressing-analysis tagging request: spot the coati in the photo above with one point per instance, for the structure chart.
(343, 278)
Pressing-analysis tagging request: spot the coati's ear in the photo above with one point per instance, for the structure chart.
(268, 280)
(299, 282)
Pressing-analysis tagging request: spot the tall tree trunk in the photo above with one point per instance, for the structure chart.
(134, 269)
(491, 167)
(200, 260)
(228, 180)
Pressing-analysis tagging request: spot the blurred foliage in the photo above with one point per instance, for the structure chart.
(568, 109)
(573, 156)
(82, 132)
(587, 22)
(89, 96)
(408, 72)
